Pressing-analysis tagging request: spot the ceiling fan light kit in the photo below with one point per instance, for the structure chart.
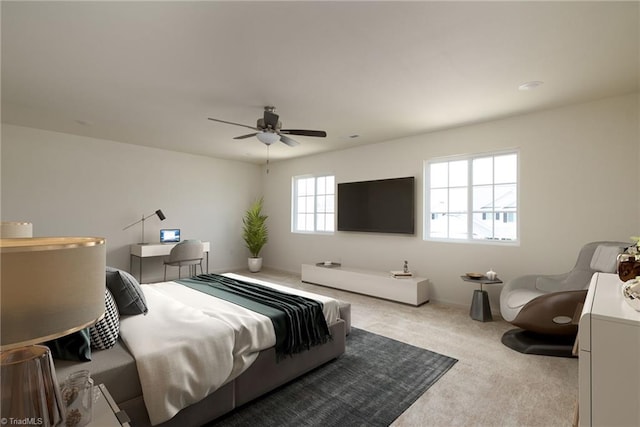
(267, 138)
(268, 129)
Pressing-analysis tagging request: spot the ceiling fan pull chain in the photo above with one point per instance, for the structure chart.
(267, 160)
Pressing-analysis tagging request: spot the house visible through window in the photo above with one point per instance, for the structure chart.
(313, 204)
(472, 198)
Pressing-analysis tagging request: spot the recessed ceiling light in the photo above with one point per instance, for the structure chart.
(530, 85)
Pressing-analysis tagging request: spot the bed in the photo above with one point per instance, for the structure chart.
(194, 357)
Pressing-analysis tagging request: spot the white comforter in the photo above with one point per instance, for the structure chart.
(190, 343)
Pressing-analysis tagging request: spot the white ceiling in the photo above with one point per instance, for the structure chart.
(150, 73)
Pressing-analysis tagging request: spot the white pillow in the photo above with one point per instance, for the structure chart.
(605, 258)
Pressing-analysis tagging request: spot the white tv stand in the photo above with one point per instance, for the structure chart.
(409, 290)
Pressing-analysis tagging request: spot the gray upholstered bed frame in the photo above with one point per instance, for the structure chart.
(116, 368)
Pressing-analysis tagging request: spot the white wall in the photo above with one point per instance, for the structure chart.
(578, 183)
(72, 185)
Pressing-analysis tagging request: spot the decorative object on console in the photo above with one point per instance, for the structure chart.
(15, 229)
(491, 275)
(631, 293)
(402, 273)
(255, 234)
(328, 264)
(51, 287)
(143, 219)
(629, 261)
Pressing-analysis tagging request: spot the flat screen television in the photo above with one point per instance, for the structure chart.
(380, 206)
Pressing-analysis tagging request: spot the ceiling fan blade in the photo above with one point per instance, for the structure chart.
(236, 124)
(290, 142)
(303, 132)
(249, 135)
(271, 119)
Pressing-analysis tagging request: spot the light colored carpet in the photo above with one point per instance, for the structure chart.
(491, 385)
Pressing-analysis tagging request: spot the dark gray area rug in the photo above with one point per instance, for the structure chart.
(371, 384)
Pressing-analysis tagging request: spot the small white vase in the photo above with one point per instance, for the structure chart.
(255, 264)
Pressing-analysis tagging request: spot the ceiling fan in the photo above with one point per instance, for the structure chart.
(269, 129)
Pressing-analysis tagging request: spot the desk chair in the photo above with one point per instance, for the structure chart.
(189, 252)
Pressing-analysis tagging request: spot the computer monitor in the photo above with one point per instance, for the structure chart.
(170, 235)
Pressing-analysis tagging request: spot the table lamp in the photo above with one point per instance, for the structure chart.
(158, 212)
(49, 287)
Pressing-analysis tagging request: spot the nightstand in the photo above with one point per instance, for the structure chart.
(106, 412)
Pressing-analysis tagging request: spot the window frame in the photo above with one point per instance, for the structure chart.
(294, 204)
(469, 208)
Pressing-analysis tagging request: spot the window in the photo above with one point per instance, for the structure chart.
(313, 204)
(473, 198)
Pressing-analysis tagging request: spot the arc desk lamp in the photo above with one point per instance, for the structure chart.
(158, 213)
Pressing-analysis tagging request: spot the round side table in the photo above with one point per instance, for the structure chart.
(480, 308)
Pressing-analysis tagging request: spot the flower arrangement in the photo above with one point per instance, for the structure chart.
(629, 261)
(635, 248)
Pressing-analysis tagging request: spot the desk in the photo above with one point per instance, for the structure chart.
(480, 308)
(147, 250)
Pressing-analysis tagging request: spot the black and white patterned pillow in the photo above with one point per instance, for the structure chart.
(105, 332)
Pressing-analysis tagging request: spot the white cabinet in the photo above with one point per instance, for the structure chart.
(609, 357)
(409, 290)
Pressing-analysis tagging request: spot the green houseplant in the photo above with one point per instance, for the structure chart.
(255, 233)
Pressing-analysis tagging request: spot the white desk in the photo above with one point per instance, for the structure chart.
(147, 250)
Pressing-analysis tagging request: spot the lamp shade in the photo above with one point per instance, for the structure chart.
(49, 287)
(12, 229)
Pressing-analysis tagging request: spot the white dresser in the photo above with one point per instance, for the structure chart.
(609, 358)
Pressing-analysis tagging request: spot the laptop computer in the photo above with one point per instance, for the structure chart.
(170, 235)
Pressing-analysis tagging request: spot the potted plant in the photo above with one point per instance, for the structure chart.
(255, 234)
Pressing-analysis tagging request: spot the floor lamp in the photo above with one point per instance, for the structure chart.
(51, 287)
(158, 212)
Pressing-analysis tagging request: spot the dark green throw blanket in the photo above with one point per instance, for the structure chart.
(298, 321)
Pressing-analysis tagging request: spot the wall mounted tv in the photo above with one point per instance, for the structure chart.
(380, 206)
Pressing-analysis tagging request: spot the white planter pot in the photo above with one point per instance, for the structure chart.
(255, 264)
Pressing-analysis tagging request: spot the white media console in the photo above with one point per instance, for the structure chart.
(409, 290)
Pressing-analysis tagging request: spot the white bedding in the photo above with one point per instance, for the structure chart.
(190, 343)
